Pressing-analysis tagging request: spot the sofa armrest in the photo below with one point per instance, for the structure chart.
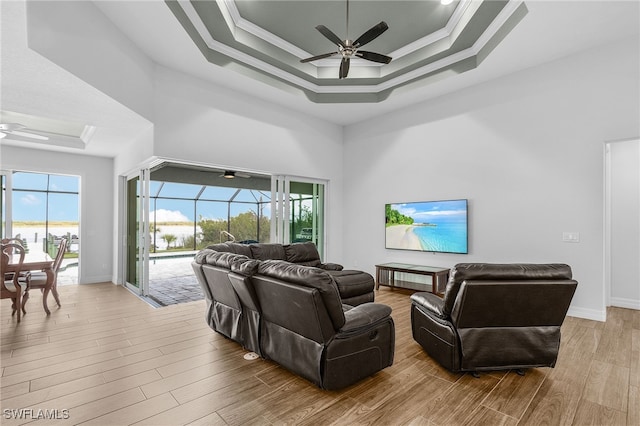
(331, 266)
(429, 302)
(363, 316)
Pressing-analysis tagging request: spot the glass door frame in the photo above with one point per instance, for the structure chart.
(141, 287)
(6, 215)
(281, 208)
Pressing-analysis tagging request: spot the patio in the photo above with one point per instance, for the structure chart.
(171, 280)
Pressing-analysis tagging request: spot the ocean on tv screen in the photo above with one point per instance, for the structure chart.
(447, 236)
(436, 226)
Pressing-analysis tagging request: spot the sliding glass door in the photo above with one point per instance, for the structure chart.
(173, 210)
(298, 207)
(137, 232)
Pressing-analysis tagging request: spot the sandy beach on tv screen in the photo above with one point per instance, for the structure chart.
(402, 237)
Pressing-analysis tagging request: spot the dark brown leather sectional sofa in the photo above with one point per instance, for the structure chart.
(283, 303)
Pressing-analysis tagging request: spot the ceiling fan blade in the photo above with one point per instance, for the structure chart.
(10, 127)
(344, 67)
(372, 56)
(30, 135)
(330, 35)
(314, 58)
(371, 34)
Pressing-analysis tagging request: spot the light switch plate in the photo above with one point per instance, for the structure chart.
(571, 237)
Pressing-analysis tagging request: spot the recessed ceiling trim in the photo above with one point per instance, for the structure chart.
(47, 131)
(495, 26)
(436, 36)
(236, 54)
(338, 92)
(237, 21)
(87, 133)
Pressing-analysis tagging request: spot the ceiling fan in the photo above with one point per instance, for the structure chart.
(16, 129)
(230, 174)
(348, 48)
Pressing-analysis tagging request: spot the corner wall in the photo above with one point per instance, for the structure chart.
(525, 150)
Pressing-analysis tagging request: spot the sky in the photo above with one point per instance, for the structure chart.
(35, 193)
(431, 210)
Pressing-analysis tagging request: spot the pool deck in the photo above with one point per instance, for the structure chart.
(170, 282)
(173, 282)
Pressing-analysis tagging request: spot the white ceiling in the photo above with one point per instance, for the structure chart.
(33, 85)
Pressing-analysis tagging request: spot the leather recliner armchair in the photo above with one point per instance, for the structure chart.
(495, 316)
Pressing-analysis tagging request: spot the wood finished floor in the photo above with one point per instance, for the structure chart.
(107, 358)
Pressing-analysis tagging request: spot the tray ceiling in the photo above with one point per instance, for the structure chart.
(267, 39)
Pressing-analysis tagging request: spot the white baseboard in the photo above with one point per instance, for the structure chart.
(625, 303)
(97, 279)
(590, 314)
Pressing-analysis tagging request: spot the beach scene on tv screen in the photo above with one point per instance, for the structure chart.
(439, 226)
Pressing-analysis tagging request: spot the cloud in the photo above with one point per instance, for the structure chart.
(163, 215)
(440, 213)
(30, 200)
(407, 211)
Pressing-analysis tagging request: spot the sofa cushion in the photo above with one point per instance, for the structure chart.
(231, 248)
(494, 271)
(224, 260)
(308, 277)
(268, 251)
(201, 256)
(352, 283)
(246, 267)
(302, 254)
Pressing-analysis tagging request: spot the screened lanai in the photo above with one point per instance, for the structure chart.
(191, 208)
(190, 217)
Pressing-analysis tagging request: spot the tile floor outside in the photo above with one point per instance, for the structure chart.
(171, 280)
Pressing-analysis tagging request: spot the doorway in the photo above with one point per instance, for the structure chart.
(622, 224)
(174, 210)
(181, 208)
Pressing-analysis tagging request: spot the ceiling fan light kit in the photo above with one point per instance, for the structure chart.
(347, 48)
(230, 174)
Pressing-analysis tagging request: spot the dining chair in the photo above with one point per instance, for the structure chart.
(14, 283)
(13, 241)
(39, 279)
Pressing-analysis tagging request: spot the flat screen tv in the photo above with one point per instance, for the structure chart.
(434, 226)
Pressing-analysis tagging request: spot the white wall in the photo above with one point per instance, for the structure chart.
(78, 37)
(624, 180)
(201, 122)
(526, 150)
(96, 189)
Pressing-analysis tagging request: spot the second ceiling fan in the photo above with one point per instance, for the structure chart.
(348, 48)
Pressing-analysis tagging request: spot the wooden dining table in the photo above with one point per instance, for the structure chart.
(35, 261)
